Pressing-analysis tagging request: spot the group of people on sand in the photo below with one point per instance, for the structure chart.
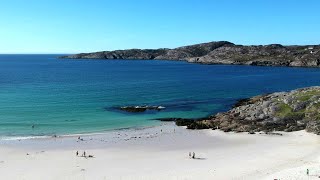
(83, 154)
(192, 155)
(308, 174)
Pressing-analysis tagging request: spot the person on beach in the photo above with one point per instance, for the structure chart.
(193, 155)
(84, 153)
(189, 155)
(77, 153)
(307, 172)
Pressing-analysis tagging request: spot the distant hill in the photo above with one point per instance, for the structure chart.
(220, 52)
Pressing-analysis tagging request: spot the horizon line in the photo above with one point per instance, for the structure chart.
(64, 53)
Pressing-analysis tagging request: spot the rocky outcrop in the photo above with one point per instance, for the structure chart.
(135, 109)
(220, 52)
(284, 111)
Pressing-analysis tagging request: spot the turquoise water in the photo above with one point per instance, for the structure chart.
(70, 96)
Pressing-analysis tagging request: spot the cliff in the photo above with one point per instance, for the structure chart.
(220, 52)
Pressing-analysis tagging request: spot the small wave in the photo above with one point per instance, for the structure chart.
(13, 138)
(134, 128)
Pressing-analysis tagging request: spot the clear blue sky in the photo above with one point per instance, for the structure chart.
(71, 26)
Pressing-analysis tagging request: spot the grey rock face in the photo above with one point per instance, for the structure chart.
(285, 111)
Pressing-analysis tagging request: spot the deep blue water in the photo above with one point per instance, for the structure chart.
(78, 96)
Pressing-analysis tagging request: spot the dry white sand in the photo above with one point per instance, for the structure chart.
(152, 154)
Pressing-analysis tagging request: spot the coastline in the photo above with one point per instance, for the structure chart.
(160, 90)
(85, 134)
(159, 152)
(219, 52)
(95, 137)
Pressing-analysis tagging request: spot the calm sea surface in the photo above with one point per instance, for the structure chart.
(72, 96)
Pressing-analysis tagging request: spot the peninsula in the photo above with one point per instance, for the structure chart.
(220, 52)
(282, 111)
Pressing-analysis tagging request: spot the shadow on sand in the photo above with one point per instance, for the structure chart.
(199, 158)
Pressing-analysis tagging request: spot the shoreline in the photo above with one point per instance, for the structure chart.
(95, 139)
(27, 137)
(159, 152)
(188, 62)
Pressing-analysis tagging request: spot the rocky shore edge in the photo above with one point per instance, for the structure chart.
(282, 111)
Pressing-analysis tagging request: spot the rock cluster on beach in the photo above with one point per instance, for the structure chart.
(284, 111)
(221, 52)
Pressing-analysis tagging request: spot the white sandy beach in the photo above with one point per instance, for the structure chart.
(151, 154)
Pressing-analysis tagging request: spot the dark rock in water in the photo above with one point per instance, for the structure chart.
(242, 102)
(184, 122)
(190, 123)
(137, 109)
(178, 121)
(247, 101)
(70, 120)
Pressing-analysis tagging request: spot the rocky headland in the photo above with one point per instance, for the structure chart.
(283, 111)
(220, 52)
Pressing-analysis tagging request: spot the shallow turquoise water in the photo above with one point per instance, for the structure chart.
(70, 96)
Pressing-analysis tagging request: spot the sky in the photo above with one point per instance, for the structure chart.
(73, 26)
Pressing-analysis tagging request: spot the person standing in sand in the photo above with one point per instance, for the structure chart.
(77, 153)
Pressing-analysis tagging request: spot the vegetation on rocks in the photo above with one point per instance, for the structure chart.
(284, 111)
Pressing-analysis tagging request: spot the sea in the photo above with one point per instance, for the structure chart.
(42, 95)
